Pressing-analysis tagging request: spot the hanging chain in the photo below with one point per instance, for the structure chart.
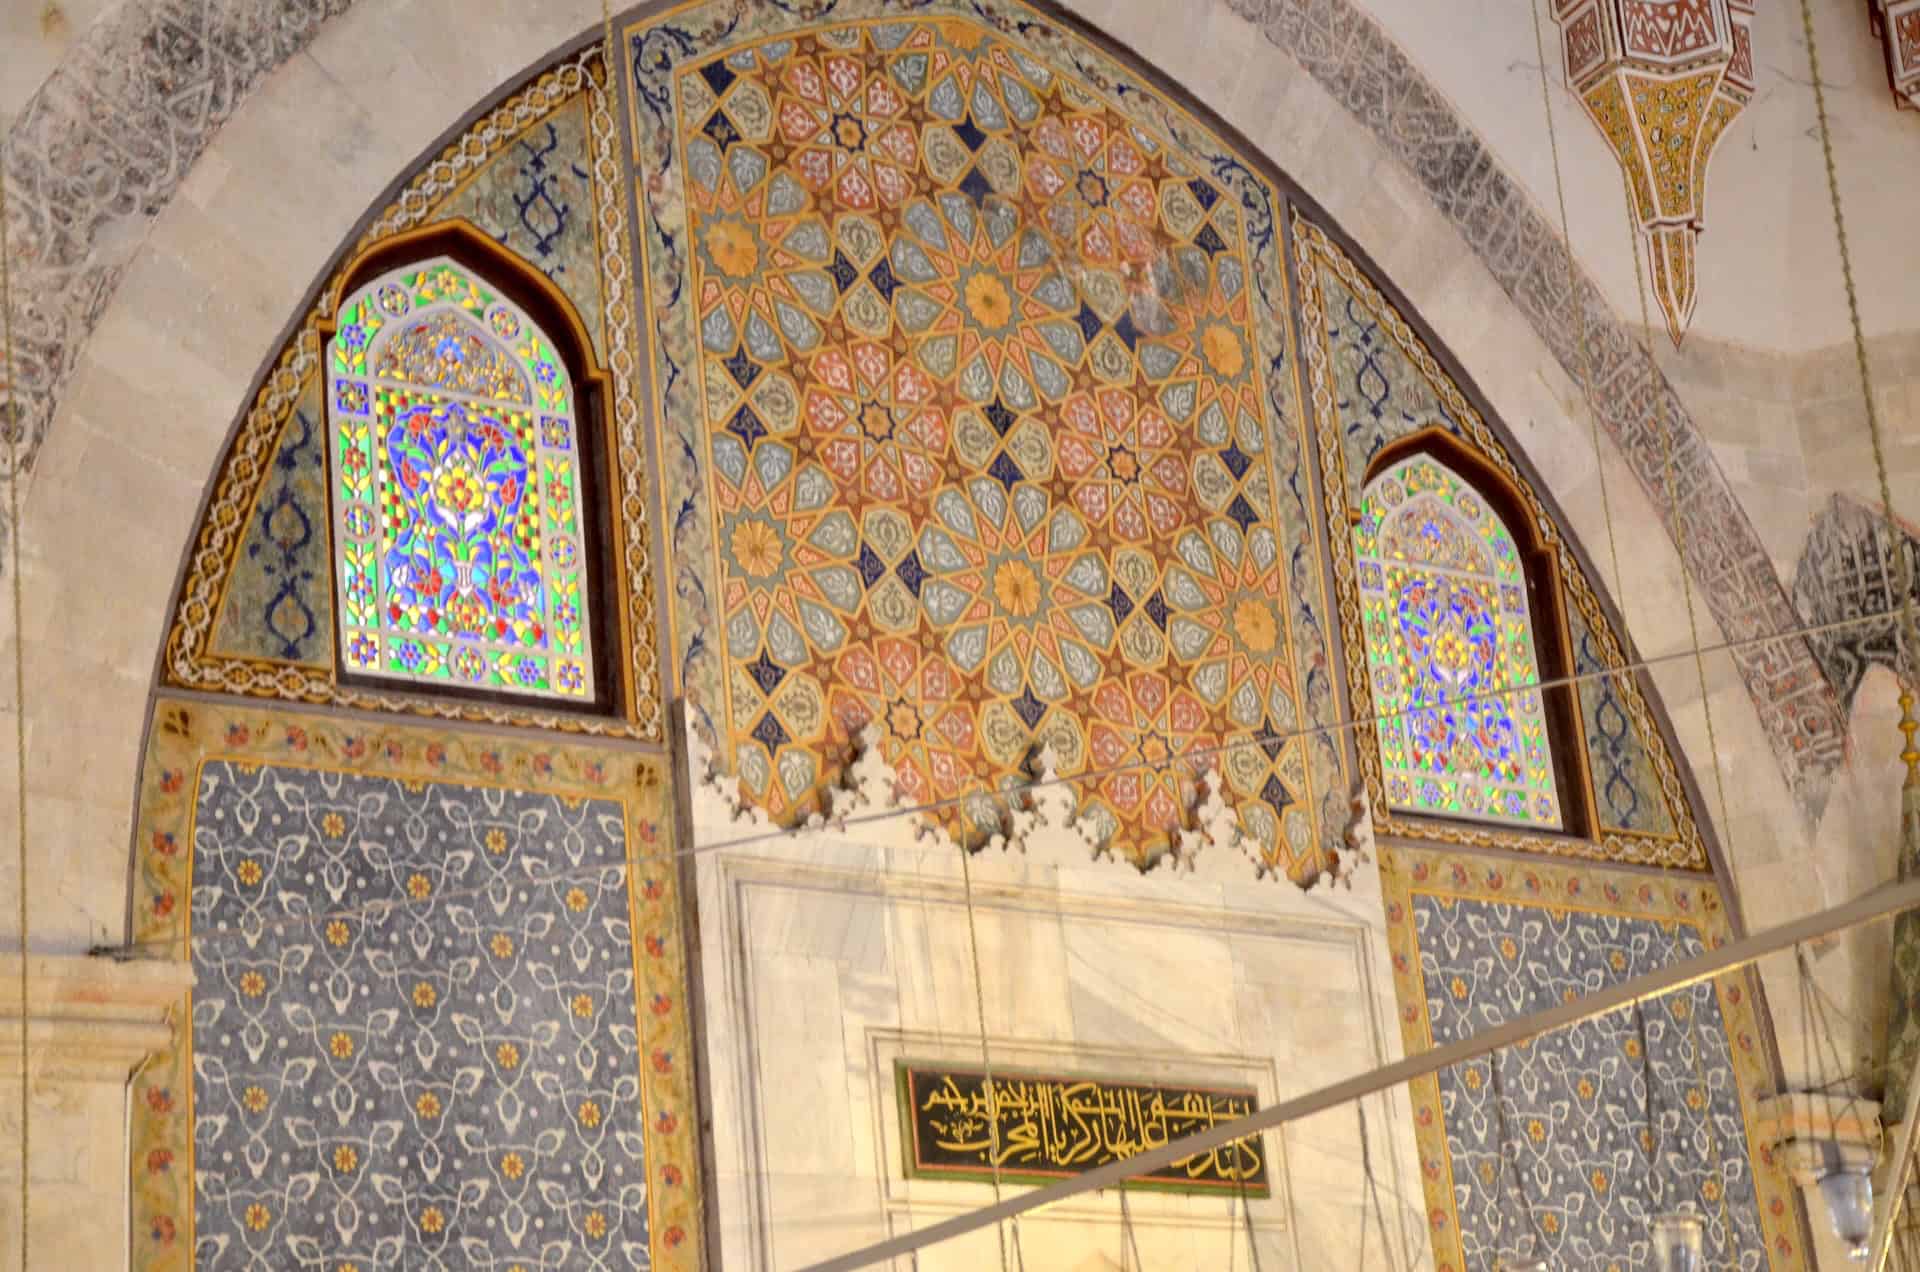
(1579, 310)
(1896, 537)
(15, 424)
(986, 1056)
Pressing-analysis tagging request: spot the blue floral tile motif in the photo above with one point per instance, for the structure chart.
(1575, 1100)
(1626, 793)
(414, 1033)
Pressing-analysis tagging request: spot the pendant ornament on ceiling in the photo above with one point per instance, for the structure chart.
(1662, 79)
(1897, 25)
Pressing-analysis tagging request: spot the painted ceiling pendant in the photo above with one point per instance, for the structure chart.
(1897, 24)
(1662, 79)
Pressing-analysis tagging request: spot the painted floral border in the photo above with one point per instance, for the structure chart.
(188, 734)
(1669, 897)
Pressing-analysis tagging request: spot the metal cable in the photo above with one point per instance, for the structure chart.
(1895, 535)
(986, 1057)
(1579, 310)
(15, 424)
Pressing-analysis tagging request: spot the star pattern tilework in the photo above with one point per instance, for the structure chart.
(981, 367)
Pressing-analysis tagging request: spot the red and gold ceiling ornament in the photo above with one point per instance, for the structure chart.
(1662, 79)
(1897, 23)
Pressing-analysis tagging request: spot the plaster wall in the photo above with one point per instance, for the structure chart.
(1768, 264)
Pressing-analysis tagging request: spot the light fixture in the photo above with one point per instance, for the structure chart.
(1848, 1192)
(1679, 1242)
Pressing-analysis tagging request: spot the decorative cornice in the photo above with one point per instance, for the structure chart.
(88, 1019)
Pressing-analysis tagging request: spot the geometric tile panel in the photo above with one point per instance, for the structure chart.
(976, 387)
(1478, 943)
(439, 1075)
(438, 1015)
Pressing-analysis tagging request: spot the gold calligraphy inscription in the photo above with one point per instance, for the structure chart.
(1033, 1128)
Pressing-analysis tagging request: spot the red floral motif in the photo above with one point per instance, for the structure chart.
(655, 946)
(663, 1061)
(164, 844)
(159, 1161)
(661, 1004)
(162, 1229)
(666, 1123)
(670, 1176)
(163, 905)
(675, 1235)
(238, 735)
(171, 780)
(159, 1099)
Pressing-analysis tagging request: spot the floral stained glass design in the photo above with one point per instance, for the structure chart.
(1449, 640)
(457, 509)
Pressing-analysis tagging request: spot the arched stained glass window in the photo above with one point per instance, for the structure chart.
(457, 494)
(1443, 595)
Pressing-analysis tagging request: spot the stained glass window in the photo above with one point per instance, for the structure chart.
(1449, 637)
(456, 492)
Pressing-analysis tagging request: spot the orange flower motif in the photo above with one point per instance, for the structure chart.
(1599, 1181)
(424, 995)
(337, 933)
(496, 840)
(508, 1055)
(596, 1224)
(333, 825)
(1536, 1130)
(257, 1217)
(512, 1166)
(345, 1159)
(428, 1105)
(253, 984)
(582, 1006)
(254, 1099)
(576, 899)
(432, 1220)
(250, 872)
(1459, 987)
(419, 887)
(589, 1114)
(341, 1045)
(501, 945)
